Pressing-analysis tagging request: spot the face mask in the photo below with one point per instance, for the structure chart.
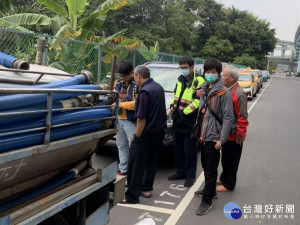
(211, 77)
(185, 72)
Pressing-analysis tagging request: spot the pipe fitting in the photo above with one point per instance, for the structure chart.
(103, 86)
(20, 64)
(88, 75)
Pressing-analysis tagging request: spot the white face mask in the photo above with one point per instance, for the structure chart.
(185, 72)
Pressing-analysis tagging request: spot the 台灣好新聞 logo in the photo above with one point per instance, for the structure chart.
(232, 211)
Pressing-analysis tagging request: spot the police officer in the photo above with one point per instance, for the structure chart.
(184, 107)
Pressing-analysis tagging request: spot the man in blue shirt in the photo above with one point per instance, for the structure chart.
(151, 121)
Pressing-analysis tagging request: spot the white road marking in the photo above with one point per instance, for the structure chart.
(148, 208)
(148, 215)
(179, 187)
(173, 219)
(168, 193)
(254, 103)
(163, 202)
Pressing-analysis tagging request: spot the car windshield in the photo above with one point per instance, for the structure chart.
(254, 73)
(244, 77)
(166, 77)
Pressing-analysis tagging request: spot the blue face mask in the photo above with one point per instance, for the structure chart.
(211, 77)
(185, 72)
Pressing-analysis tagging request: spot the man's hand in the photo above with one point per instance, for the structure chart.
(239, 140)
(172, 109)
(218, 145)
(140, 125)
(113, 106)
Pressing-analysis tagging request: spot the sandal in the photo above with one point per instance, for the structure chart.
(145, 195)
(219, 182)
(221, 188)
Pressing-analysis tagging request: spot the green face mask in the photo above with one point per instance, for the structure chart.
(211, 77)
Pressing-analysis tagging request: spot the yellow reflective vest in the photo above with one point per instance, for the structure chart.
(189, 101)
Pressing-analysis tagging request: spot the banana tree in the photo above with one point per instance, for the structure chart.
(65, 23)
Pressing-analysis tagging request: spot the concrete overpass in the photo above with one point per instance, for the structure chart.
(284, 55)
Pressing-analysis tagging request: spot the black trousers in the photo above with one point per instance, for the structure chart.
(185, 151)
(143, 161)
(231, 155)
(210, 158)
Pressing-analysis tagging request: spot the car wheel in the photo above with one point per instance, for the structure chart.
(251, 96)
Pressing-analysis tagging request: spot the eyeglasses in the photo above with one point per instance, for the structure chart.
(183, 67)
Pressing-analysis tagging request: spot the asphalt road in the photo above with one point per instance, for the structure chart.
(267, 190)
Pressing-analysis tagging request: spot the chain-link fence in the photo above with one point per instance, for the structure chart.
(73, 56)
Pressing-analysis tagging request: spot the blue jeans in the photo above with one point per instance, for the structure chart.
(124, 138)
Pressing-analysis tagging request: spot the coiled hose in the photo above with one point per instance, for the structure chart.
(61, 118)
(12, 62)
(11, 118)
(76, 80)
(10, 102)
(34, 138)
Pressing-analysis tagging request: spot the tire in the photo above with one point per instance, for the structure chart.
(251, 96)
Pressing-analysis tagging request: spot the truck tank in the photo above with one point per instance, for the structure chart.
(51, 123)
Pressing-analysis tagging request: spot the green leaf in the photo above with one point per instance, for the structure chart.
(57, 22)
(112, 37)
(66, 31)
(55, 7)
(114, 5)
(119, 52)
(8, 24)
(19, 20)
(77, 7)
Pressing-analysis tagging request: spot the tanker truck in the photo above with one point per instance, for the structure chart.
(51, 123)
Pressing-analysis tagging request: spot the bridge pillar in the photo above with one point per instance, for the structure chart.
(292, 55)
(283, 53)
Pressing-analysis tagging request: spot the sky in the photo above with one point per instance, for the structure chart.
(283, 15)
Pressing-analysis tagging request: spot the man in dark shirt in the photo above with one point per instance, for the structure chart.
(151, 121)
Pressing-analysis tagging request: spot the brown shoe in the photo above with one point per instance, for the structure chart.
(219, 182)
(221, 188)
